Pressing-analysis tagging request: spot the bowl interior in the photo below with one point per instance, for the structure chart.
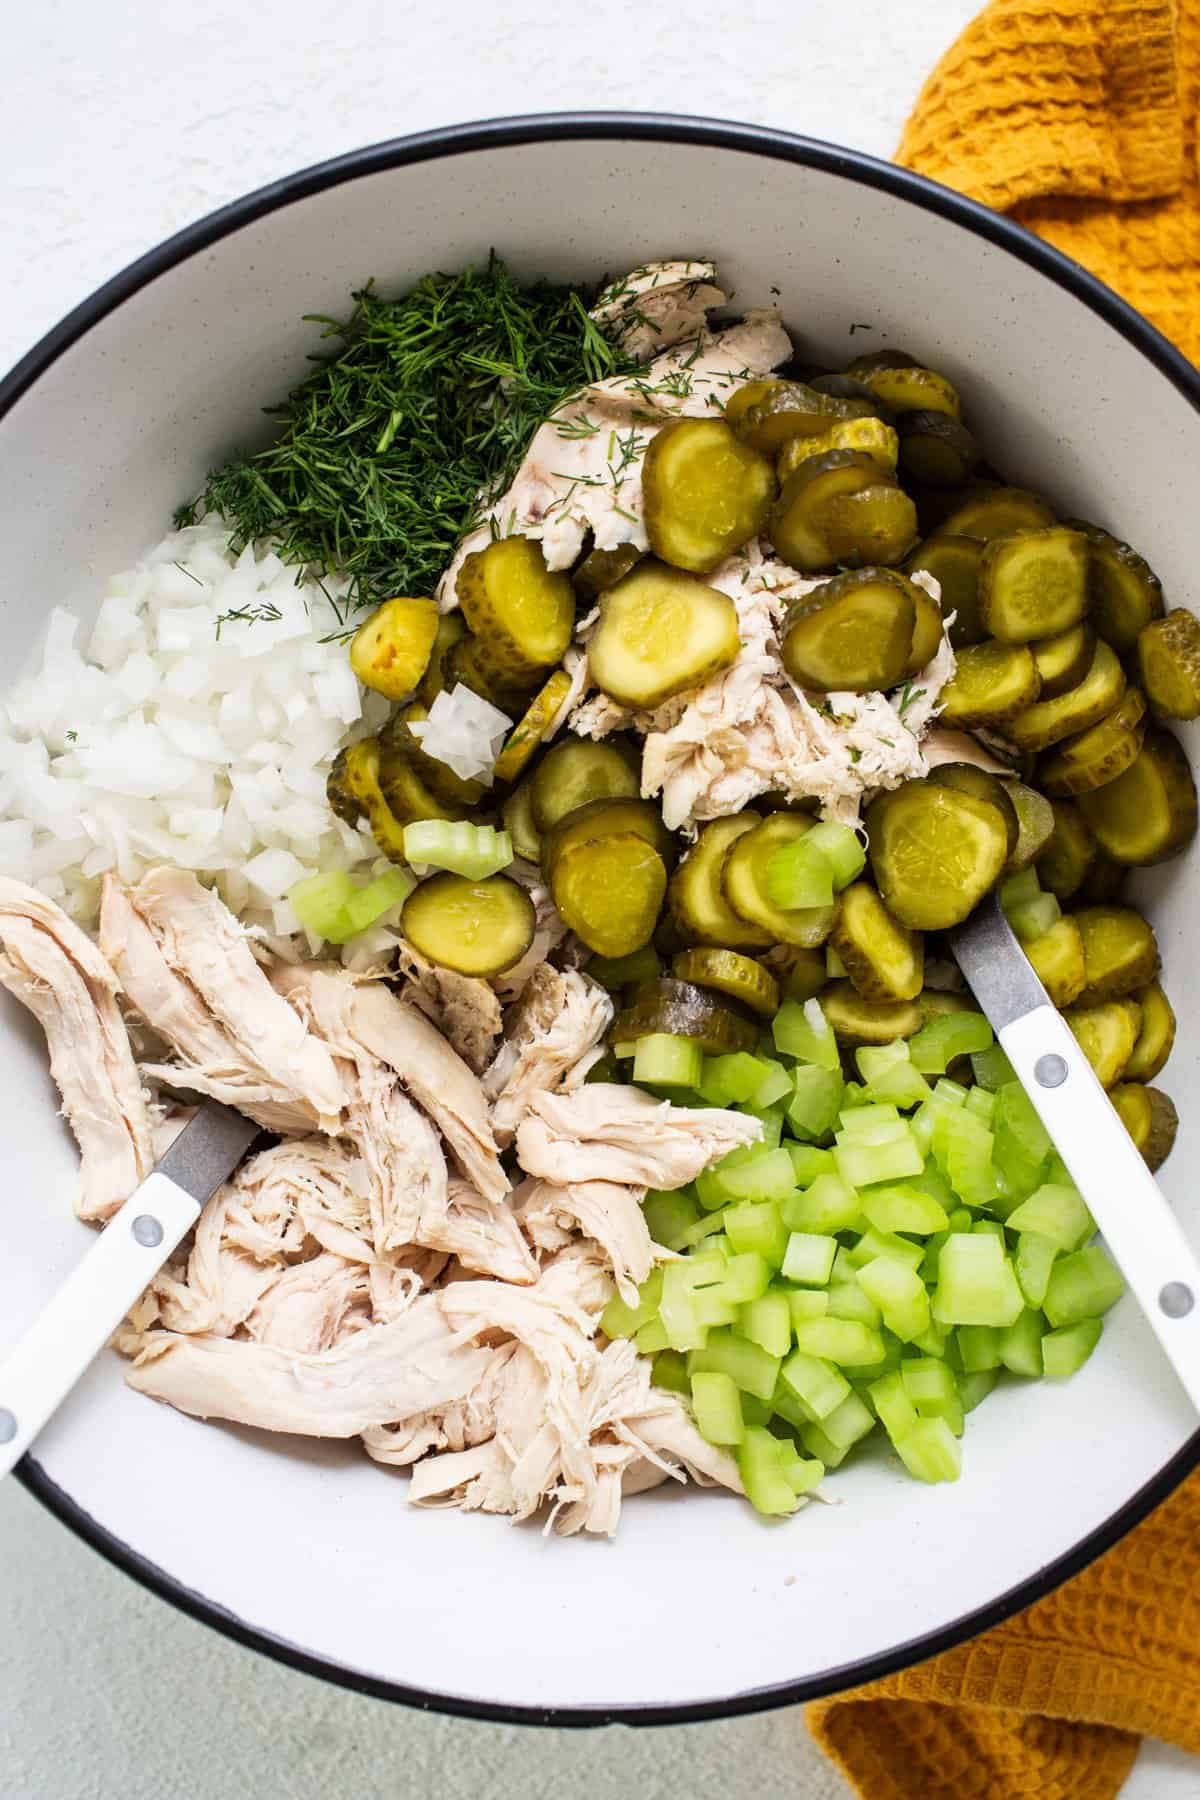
(697, 1604)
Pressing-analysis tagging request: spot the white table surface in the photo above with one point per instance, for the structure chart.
(123, 120)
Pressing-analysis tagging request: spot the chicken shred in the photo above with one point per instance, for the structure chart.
(606, 1211)
(607, 1132)
(465, 1010)
(559, 1019)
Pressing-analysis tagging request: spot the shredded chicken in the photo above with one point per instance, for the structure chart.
(466, 1011)
(548, 931)
(559, 1019)
(607, 1132)
(605, 1211)
(660, 304)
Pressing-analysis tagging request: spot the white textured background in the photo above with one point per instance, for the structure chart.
(123, 120)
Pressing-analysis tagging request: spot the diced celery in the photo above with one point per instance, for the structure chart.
(819, 1384)
(670, 1372)
(746, 1277)
(931, 1181)
(766, 1175)
(880, 1243)
(929, 1262)
(868, 1122)
(809, 1258)
(975, 1386)
(888, 1362)
(775, 1086)
(930, 1451)
(808, 1303)
(1022, 1141)
(903, 1207)
(816, 1100)
(828, 1205)
(677, 1310)
(762, 1460)
(835, 968)
(803, 1473)
(798, 875)
(961, 1219)
(976, 1284)
(1032, 1261)
(670, 1215)
(710, 1187)
(808, 1162)
(707, 1225)
(1066, 1350)
(843, 848)
(992, 1226)
(992, 1069)
(863, 1165)
(935, 1342)
(619, 1320)
(899, 1293)
(623, 1048)
(801, 1029)
(756, 1411)
(890, 1076)
(767, 1322)
(786, 1406)
(932, 1387)
(842, 1341)
(1020, 1344)
(475, 851)
(771, 1118)
(926, 1118)
(979, 1347)
(962, 1148)
(847, 1300)
(729, 1080)
(1057, 1212)
(718, 1408)
(1034, 918)
(753, 1369)
(615, 972)
(319, 902)
(848, 1422)
(758, 1227)
(946, 1036)
(844, 1267)
(855, 1096)
(822, 1447)
(1019, 889)
(1082, 1286)
(652, 1337)
(368, 904)
(712, 1308)
(895, 1410)
(981, 1103)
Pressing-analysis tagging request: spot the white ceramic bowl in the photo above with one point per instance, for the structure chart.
(308, 1551)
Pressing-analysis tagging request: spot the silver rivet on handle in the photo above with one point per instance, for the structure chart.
(147, 1231)
(8, 1425)
(1050, 1071)
(1176, 1299)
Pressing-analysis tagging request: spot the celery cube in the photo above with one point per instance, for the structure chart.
(771, 1118)
(1033, 1261)
(822, 1447)
(809, 1258)
(890, 1360)
(870, 1122)
(786, 1406)
(798, 875)
(1019, 889)
(1020, 1344)
(766, 1176)
(1022, 1141)
(835, 968)
(801, 1029)
(890, 1076)
(930, 1451)
(764, 1464)
(816, 1100)
(962, 1148)
(710, 1187)
(842, 848)
(975, 1386)
(935, 1341)
(718, 1408)
(706, 1226)
(979, 1347)
(767, 1322)
(930, 1385)
(848, 1422)
(981, 1103)
(991, 1227)
(1082, 1286)
(1056, 1211)
(652, 1337)
(895, 1410)
(619, 1320)
(904, 1207)
(992, 1069)
(661, 1060)
(808, 1162)
(828, 1205)
(712, 1308)
(756, 1411)
(899, 1293)
(847, 1300)
(753, 1369)
(757, 1227)
(677, 1310)
(669, 1215)
(775, 1085)
(808, 1303)
(728, 1080)
(976, 1284)
(878, 1243)
(670, 1372)
(746, 1277)
(843, 1341)
(818, 1384)
(1066, 1350)
(867, 1164)
(803, 1473)
(946, 1036)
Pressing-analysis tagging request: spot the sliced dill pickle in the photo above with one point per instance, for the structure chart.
(799, 517)
(397, 744)
(993, 511)
(934, 1002)
(1105, 879)
(408, 796)
(927, 632)
(1098, 755)
(451, 629)
(1035, 821)
(877, 525)
(729, 972)
(1033, 584)
(934, 852)
(1066, 859)
(883, 959)
(914, 389)
(1168, 655)
(1058, 961)
(857, 1022)
(1048, 722)
(791, 409)
(706, 491)
(872, 360)
(354, 794)
(609, 890)
(517, 817)
(1064, 659)
(968, 778)
(954, 564)
(576, 770)
(471, 662)
(661, 632)
(521, 613)
(390, 651)
(852, 634)
(869, 435)
(1148, 814)
(743, 879)
(1156, 1039)
(991, 685)
(684, 1009)
(476, 927)
(602, 569)
(802, 973)
(1106, 1034)
(1150, 1118)
(602, 818)
(698, 907)
(936, 449)
(748, 396)
(1126, 593)
(522, 743)
(1120, 952)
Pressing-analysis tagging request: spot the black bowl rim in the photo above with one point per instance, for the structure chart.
(494, 134)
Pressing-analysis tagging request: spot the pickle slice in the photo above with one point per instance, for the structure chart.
(743, 879)
(968, 778)
(1156, 1039)
(1035, 822)
(871, 360)
(399, 748)
(409, 798)
(870, 436)
(927, 632)
(1058, 961)
(802, 973)
(913, 389)
(601, 569)
(602, 818)
(577, 770)
(991, 685)
(954, 564)
(798, 517)
(729, 972)
(876, 525)
(1033, 584)
(1120, 952)
(1168, 655)
(884, 960)
(521, 613)
(608, 890)
(1069, 855)
(992, 511)
(1048, 722)
(852, 634)
(1106, 1034)
(1126, 593)
(451, 629)
(698, 907)
(517, 817)
(789, 409)
(660, 633)
(1104, 880)
(749, 395)
(857, 1022)
(476, 927)
(1150, 1118)
(934, 852)
(1100, 754)
(706, 493)
(682, 1009)
(471, 662)
(936, 449)
(390, 651)
(1064, 659)
(355, 793)
(1149, 813)
(523, 741)
(934, 1002)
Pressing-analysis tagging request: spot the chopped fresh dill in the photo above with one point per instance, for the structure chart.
(264, 613)
(188, 573)
(72, 737)
(423, 403)
(622, 514)
(907, 696)
(855, 753)
(582, 427)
